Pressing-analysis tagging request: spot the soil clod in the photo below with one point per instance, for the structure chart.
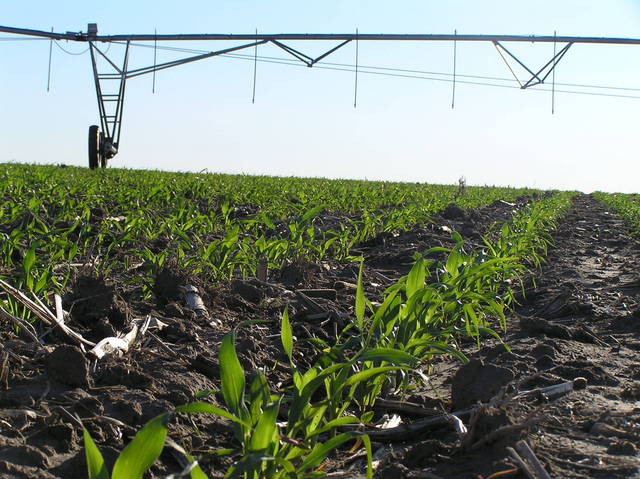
(68, 365)
(476, 381)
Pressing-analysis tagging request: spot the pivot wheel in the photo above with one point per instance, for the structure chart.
(95, 147)
(103, 154)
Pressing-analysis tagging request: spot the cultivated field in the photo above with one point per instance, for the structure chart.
(196, 325)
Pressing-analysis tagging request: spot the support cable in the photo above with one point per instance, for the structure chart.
(453, 88)
(553, 78)
(446, 80)
(68, 52)
(255, 70)
(49, 69)
(155, 59)
(355, 90)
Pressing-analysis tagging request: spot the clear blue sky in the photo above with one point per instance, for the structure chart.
(303, 122)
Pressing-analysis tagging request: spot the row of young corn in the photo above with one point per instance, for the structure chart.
(119, 192)
(625, 205)
(216, 226)
(447, 295)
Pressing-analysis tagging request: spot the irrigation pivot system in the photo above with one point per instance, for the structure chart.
(104, 140)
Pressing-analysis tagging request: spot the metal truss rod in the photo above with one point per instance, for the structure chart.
(498, 45)
(329, 52)
(96, 78)
(163, 66)
(86, 37)
(115, 67)
(306, 59)
(553, 62)
(293, 52)
(120, 104)
(537, 78)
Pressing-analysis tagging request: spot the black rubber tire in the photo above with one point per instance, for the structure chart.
(94, 147)
(103, 155)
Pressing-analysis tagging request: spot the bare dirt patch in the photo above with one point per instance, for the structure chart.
(581, 320)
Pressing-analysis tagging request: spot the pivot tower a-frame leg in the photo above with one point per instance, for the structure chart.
(110, 88)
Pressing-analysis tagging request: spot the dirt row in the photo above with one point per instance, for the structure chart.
(581, 320)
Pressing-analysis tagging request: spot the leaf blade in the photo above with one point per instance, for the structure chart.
(286, 335)
(231, 375)
(143, 450)
(96, 468)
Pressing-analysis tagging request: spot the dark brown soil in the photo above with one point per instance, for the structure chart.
(582, 319)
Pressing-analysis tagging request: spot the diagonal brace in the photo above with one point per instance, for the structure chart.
(500, 47)
(163, 66)
(115, 67)
(553, 62)
(306, 59)
(536, 77)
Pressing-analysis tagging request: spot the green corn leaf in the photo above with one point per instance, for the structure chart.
(454, 261)
(442, 348)
(318, 414)
(310, 214)
(321, 451)
(415, 280)
(360, 299)
(286, 465)
(96, 468)
(154, 191)
(309, 382)
(296, 452)
(306, 378)
(264, 435)
(205, 393)
(41, 283)
(29, 260)
(143, 450)
(231, 375)
(297, 379)
(249, 466)
(259, 394)
(367, 445)
(286, 335)
(223, 452)
(206, 408)
(394, 356)
(457, 237)
(368, 373)
(471, 315)
(316, 380)
(331, 425)
(196, 472)
(367, 417)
